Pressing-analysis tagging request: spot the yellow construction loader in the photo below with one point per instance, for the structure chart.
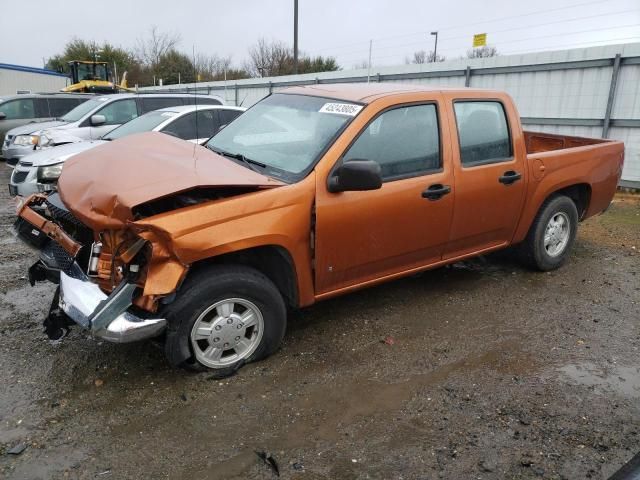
(93, 77)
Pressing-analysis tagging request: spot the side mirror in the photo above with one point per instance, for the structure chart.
(3, 115)
(356, 175)
(97, 120)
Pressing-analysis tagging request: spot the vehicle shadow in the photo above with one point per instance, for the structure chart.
(467, 275)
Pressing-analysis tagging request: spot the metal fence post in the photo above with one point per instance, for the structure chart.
(612, 95)
(236, 95)
(467, 77)
(270, 88)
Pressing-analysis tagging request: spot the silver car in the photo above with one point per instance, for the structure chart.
(39, 171)
(92, 120)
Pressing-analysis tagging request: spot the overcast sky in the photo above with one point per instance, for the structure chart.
(341, 28)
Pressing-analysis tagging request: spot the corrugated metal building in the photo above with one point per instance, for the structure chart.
(591, 92)
(19, 79)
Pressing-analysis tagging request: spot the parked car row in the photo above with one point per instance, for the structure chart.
(18, 110)
(312, 193)
(39, 171)
(91, 119)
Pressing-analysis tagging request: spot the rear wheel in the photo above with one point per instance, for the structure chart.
(224, 316)
(552, 234)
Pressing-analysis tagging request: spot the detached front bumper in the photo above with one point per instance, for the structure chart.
(107, 317)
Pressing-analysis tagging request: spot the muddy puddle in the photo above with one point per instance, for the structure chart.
(613, 379)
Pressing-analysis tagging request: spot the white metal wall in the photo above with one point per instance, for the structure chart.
(13, 80)
(577, 94)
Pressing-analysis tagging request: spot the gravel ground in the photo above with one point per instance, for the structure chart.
(488, 371)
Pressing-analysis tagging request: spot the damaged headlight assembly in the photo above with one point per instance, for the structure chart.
(50, 173)
(43, 140)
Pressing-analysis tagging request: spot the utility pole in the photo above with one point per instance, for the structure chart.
(435, 48)
(369, 66)
(295, 36)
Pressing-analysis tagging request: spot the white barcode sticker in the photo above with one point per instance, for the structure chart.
(341, 108)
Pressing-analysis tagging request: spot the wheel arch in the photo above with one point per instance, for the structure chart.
(273, 261)
(579, 193)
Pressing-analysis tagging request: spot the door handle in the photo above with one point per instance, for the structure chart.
(436, 191)
(509, 177)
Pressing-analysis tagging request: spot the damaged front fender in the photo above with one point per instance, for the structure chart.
(164, 270)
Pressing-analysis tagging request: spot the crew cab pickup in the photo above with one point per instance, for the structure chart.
(313, 192)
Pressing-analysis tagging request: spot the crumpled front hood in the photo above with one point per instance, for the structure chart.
(101, 186)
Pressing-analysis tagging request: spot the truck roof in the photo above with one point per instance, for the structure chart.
(368, 92)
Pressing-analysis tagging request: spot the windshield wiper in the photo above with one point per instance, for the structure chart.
(238, 156)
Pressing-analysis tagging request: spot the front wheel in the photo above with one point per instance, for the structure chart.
(224, 316)
(551, 237)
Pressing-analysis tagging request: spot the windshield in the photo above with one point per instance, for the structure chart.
(285, 133)
(82, 109)
(144, 123)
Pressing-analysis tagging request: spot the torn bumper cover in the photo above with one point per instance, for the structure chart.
(107, 317)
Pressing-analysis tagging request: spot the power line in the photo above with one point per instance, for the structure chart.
(549, 36)
(610, 41)
(451, 27)
(585, 44)
(575, 19)
(524, 39)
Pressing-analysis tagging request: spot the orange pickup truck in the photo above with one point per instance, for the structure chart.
(313, 192)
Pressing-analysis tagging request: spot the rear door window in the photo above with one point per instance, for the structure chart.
(119, 112)
(207, 123)
(483, 132)
(184, 127)
(42, 108)
(59, 106)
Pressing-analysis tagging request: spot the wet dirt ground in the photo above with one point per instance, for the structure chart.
(489, 371)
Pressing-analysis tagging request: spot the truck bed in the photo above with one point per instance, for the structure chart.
(591, 166)
(537, 142)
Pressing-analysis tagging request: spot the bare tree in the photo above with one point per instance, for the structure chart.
(362, 64)
(421, 56)
(269, 59)
(482, 52)
(212, 67)
(156, 45)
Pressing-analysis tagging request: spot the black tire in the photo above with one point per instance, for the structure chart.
(212, 284)
(533, 251)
